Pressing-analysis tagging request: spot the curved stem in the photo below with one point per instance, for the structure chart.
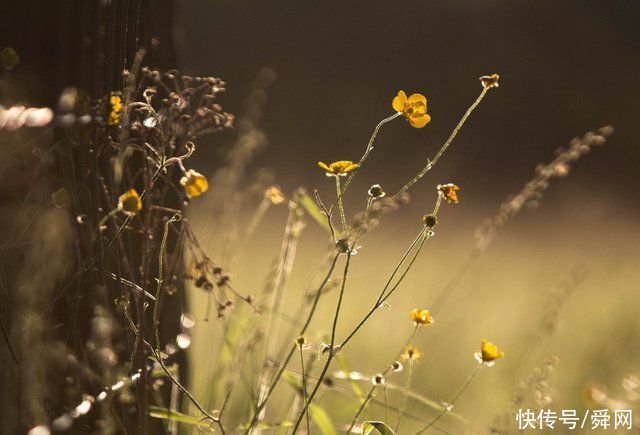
(431, 163)
(422, 237)
(453, 401)
(156, 351)
(367, 151)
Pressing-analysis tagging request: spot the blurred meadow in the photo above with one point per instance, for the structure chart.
(210, 221)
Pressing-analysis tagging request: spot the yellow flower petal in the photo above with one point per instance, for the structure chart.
(489, 351)
(420, 122)
(195, 184)
(350, 168)
(324, 166)
(421, 317)
(130, 202)
(449, 192)
(399, 102)
(417, 98)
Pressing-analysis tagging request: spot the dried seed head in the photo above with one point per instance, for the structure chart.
(376, 191)
(430, 220)
(377, 379)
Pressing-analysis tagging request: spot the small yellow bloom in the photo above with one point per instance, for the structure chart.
(414, 108)
(489, 352)
(421, 317)
(195, 184)
(339, 168)
(492, 81)
(129, 202)
(115, 109)
(274, 194)
(411, 353)
(449, 192)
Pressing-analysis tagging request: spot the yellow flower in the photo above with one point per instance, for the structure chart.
(115, 108)
(421, 317)
(413, 108)
(449, 192)
(341, 167)
(274, 194)
(411, 353)
(129, 202)
(492, 81)
(488, 353)
(195, 184)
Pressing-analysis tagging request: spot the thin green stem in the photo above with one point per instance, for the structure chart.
(304, 385)
(332, 350)
(283, 367)
(367, 151)
(361, 408)
(421, 239)
(431, 163)
(343, 218)
(157, 351)
(449, 406)
(405, 392)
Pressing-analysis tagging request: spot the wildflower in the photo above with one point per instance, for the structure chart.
(430, 220)
(488, 353)
(377, 379)
(61, 198)
(129, 202)
(491, 81)
(376, 191)
(421, 317)
(411, 353)
(397, 366)
(339, 168)
(115, 109)
(414, 108)
(274, 194)
(195, 184)
(449, 192)
(302, 342)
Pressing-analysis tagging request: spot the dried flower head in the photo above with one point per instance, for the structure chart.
(489, 352)
(302, 342)
(130, 202)
(339, 168)
(491, 81)
(411, 353)
(430, 220)
(377, 379)
(195, 184)
(342, 246)
(414, 108)
(274, 194)
(449, 192)
(376, 191)
(421, 317)
(61, 198)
